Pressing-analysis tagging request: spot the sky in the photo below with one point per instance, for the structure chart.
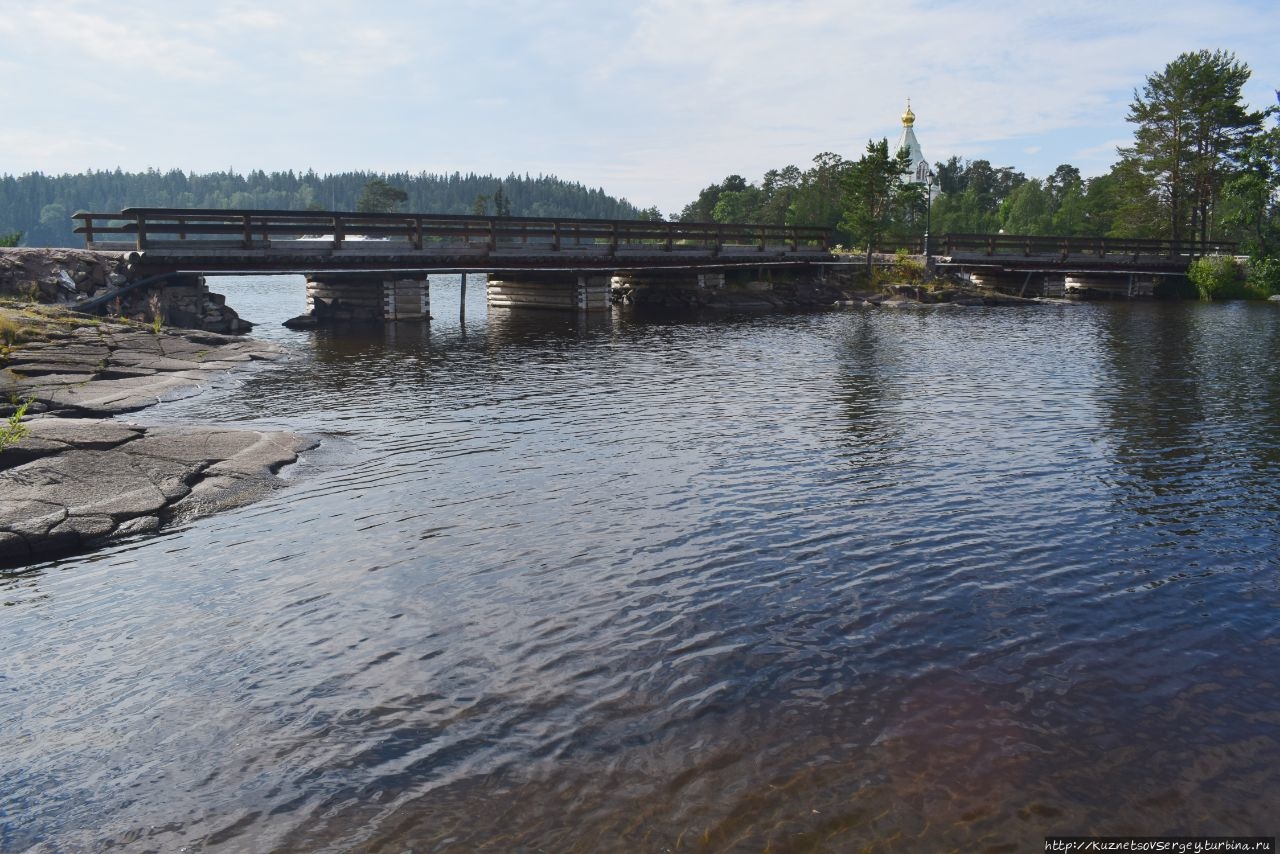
(651, 100)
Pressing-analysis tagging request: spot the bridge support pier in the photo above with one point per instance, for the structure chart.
(666, 288)
(1008, 283)
(1021, 283)
(406, 299)
(367, 297)
(551, 292)
(1114, 286)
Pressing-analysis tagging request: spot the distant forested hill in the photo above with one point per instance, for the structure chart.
(40, 206)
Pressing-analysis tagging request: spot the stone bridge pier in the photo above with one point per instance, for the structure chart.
(368, 296)
(659, 287)
(585, 292)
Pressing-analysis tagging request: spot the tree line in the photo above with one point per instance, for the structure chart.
(36, 208)
(1202, 166)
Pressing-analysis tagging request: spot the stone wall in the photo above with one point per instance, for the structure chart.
(67, 276)
(59, 275)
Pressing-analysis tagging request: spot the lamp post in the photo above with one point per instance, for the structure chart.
(928, 218)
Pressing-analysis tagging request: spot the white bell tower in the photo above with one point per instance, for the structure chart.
(919, 166)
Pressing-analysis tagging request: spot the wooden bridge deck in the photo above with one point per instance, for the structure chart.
(231, 241)
(165, 239)
(1020, 253)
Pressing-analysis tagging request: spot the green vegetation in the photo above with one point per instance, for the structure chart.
(380, 197)
(1191, 130)
(1218, 277)
(41, 205)
(1264, 276)
(1202, 166)
(157, 312)
(11, 239)
(27, 321)
(1223, 277)
(787, 196)
(907, 269)
(13, 429)
(875, 190)
(13, 331)
(501, 204)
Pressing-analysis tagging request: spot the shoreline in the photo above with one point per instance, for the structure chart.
(77, 477)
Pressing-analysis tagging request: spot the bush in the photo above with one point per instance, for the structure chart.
(907, 269)
(11, 239)
(1221, 277)
(11, 331)
(1264, 276)
(12, 429)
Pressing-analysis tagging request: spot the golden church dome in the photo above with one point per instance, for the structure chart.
(908, 118)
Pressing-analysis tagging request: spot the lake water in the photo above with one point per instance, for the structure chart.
(917, 580)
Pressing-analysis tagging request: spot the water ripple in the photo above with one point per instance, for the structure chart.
(922, 580)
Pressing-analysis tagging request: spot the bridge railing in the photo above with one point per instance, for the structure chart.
(1064, 247)
(205, 230)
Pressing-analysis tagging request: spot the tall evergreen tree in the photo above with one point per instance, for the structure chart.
(1252, 196)
(874, 187)
(1191, 127)
(501, 204)
(377, 197)
(819, 198)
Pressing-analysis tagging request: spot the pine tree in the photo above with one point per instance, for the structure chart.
(1191, 128)
(377, 197)
(874, 187)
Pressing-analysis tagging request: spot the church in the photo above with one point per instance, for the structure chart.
(920, 170)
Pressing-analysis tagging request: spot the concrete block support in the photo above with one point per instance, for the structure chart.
(368, 297)
(1113, 286)
(561, 292)
(1009, 283)
(406, 299)
(663, 287)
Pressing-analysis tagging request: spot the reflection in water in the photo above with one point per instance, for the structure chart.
(1192, 408)
(927, 580)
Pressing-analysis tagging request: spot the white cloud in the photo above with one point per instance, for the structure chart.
(652, 100)
(362, 52)
(117, 45)
(32, 147)
(248, 16)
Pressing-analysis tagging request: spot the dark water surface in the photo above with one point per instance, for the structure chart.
(926, 580)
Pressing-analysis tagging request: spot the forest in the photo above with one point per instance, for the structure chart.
(35, 209)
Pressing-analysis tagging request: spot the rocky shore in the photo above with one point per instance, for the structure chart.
(71, 475)
(62, 276)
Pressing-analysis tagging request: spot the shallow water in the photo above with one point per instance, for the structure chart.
(919, 580)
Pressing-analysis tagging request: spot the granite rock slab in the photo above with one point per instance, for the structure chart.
(85, 482)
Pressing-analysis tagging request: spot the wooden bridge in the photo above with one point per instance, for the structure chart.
(235, 241)
(382, 260)
(370, 266)
(1061, 266)
(1068, 252)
